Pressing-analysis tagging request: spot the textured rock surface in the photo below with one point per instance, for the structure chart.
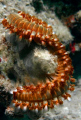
(70, 110)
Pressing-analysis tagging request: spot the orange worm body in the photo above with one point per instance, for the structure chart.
(24, 28)
(43, 95)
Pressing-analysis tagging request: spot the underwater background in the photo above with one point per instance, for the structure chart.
(69, 14)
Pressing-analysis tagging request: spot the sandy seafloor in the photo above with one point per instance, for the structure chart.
(71, 109)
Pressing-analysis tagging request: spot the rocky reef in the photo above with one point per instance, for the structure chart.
(23, 62)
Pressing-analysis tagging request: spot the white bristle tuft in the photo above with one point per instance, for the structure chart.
(36, 103)
(15, 90)
(54, 33)
(46, 108)
(69, 99)
(18, 107)
(33, 33)
(27, 102)
(24, 108)
(55, 39)
(11, 92)
(55, 98)
(19, 101)
(39, 103)
(48, 25)
(43, 36)
(13, 104)
(20, 87)
(28, 30)
(36, 110)
(47, 36)
(38, 33)
(45, 102)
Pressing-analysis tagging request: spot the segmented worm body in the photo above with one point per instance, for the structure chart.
(28, 29)
(42, 95)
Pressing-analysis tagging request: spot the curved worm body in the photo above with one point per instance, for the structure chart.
(27, 29)
(43, 95)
